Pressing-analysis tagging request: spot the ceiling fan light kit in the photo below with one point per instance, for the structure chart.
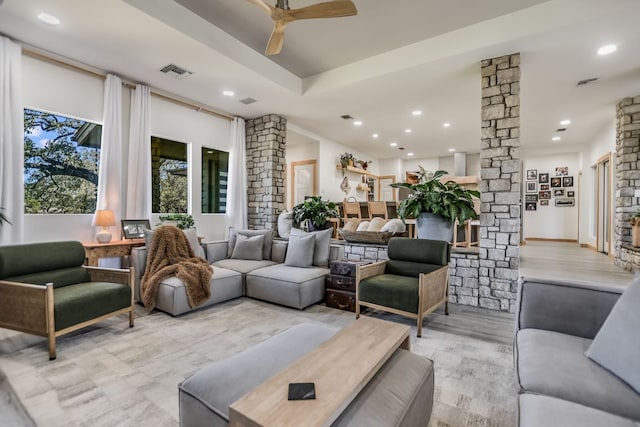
(282, 14)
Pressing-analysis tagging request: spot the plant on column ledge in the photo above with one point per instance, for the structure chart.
(181, 220)
(315, 212)
(436, 205)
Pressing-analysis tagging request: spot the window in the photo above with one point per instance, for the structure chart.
(215, 167)
(61, 159)
(169, 178)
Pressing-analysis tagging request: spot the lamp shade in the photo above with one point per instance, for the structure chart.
(104, 218)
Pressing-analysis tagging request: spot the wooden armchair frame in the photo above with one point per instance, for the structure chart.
(433, 291)
(29, 308)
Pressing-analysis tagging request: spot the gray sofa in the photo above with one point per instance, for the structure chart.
(400, 394)
(268, 279)
(559, 385)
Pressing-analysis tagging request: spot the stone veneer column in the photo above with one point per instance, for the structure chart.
(627, 171)
(500, 186)
(266, 170)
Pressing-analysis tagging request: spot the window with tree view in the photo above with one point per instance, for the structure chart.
(215, 167)
(169, 182)
(61, 159)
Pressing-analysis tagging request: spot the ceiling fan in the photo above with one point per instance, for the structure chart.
(282, 15)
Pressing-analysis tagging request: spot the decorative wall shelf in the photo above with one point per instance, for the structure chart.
(357, 170)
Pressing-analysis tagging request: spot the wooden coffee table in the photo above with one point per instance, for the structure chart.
(340, 368)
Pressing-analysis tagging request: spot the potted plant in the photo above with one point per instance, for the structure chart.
(315, 212)
(346, 159)
(437, 205)
(181, 220)
(635, 229)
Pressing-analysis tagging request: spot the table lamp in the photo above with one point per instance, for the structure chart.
(103, 218)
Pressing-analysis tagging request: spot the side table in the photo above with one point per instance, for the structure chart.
(340, 286)
(94, 251)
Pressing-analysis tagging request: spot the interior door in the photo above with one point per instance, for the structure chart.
(386, 193)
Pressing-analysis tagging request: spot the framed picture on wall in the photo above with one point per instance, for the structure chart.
(544, 203)
(558, 192)
(563, 203)
(562, 171)
(532, 186)
(532, 173)
(531, 198)
(544, 195)
(567, 181)
(543, 178)
(571, 194)
(531, 206)
(544, 187)
(134, 228)
(556, 182)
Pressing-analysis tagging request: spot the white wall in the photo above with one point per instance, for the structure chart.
(298, 153)
(551, 222)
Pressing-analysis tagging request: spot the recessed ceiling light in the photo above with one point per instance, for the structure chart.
(452, 149)
(357, 123)
(607, 49)
(375, 135)
(556, 138)
(446, 124)
(417, 112)
(565, 122)
(409, 154)
(407, 131)
(48, 18)
(394, 144)
(228, 93)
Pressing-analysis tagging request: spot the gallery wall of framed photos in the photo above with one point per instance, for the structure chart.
(550, 197)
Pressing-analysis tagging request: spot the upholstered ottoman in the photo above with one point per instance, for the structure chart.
(400, 394)
(291, 286)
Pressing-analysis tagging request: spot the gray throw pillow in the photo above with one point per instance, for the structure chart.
(266, 248)
(248, 248)
(323, 240)
(285, 223)
(300, 251)
(616, 347)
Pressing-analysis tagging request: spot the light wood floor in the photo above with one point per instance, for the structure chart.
(568, 261)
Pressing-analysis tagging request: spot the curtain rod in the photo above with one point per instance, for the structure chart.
(37, 53)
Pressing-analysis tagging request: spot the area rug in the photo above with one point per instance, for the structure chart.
(110, 375)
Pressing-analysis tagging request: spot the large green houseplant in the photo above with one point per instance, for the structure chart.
(315, 212)
(436, 205)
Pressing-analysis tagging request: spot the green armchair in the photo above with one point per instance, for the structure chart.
(413, 282)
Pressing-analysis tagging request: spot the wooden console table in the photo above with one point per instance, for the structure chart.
(94, 250)
(340, 368)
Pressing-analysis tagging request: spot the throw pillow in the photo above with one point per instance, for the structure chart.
(300, 250)
(363, 226)
(351, 225)
(191, 235)
(376, 224)
(266, 248)
(285, 223)
(323, 241)
(394, 225)
(616, 347)
(248, 248)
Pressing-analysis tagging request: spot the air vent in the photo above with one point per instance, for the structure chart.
(400, 148)
(587, 81)
(247, 101)
(561, 130)
(346, 117)
(174, 70)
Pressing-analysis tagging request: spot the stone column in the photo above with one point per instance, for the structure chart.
(627, 170)
(500, 186)
(266, 170)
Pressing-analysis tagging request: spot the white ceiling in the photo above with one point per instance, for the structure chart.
(377, 66)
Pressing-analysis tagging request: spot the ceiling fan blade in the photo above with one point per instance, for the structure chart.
(264, 6)
(277, 38)
(329, 9)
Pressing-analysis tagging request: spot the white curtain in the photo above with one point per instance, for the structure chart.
(110, 173)
(139, 170)
(11, 142)
(237, 185)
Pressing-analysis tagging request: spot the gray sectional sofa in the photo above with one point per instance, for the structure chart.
(560, 384)
(267, 279)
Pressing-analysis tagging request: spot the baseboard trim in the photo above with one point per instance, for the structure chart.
(543, 239)
(588, 246)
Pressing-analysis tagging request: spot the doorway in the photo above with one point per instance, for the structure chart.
(603, 204)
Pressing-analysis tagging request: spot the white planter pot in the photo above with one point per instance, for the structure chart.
(434, 227)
